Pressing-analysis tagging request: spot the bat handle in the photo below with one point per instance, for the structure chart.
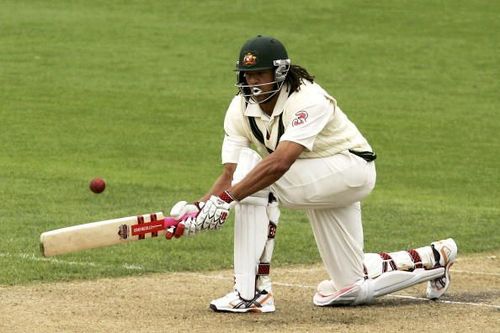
(170, 221)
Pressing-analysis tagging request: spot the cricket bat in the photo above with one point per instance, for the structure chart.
(104, 233)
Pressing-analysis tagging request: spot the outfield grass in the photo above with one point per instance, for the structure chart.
(136, 91)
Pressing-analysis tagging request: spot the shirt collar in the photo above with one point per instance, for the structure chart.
(254, 110)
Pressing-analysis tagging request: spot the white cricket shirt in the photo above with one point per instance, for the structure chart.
(310, 117)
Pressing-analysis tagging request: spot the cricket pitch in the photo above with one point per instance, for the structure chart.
(178, 302)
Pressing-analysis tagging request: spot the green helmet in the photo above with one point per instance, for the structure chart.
(261, 53)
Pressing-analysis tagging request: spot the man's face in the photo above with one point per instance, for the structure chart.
(264, 80)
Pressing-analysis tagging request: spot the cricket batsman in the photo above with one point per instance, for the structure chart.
(313, 158)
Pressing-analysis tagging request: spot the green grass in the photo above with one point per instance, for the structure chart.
(136, 91)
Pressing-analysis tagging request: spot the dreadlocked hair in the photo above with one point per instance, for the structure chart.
(296, 75)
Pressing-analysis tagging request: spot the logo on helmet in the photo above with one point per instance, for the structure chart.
(249, 59)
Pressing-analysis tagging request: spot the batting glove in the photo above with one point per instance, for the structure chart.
(215, 211)
(186, 213)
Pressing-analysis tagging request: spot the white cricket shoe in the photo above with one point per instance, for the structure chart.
(232, 302)
(447, 250)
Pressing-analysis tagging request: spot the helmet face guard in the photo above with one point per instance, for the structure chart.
(257, 54)
(250, 92)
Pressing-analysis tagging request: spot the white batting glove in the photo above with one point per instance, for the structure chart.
(215, 211)
(187, 214)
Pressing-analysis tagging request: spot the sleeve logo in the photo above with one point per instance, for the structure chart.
(300, 118)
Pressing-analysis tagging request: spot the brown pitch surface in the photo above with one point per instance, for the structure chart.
(178, 302)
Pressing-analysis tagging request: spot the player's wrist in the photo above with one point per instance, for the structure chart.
(227, 196)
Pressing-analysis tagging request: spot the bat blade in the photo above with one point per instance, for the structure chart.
(104, 233)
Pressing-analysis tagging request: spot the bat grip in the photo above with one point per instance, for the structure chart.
(172, 222)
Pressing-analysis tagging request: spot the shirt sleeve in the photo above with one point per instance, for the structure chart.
(307, 121)
(234, 134)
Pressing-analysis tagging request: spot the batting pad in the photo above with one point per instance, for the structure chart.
(250, 237)
(364, 291)
(394, 281)
(250, 230)
(247, 160)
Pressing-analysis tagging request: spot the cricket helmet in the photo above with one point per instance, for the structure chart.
(262, 53)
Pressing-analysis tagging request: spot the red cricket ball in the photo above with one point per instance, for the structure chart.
(97, 185)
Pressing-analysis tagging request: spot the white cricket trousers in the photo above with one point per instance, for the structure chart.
(330, 189)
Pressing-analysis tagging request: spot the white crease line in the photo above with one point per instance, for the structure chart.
(445, 301)
(32, 257)
(292, 285)
(476, 273)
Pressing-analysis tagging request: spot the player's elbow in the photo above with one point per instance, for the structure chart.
(284, 156)
(281, 160)
(279, 166)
